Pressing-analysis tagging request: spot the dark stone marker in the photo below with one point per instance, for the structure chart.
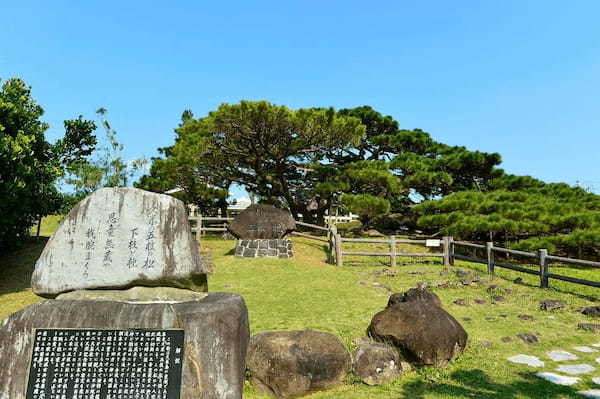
(104, 364)
(528, 338)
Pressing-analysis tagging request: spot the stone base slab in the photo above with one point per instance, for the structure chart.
(264, 248)
(215, 327)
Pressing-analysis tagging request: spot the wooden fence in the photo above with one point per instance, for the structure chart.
(448, 253)
(540, 258)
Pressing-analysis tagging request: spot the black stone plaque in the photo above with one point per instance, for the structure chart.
(106, 364)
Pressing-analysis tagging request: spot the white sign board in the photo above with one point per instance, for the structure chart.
(432, 243)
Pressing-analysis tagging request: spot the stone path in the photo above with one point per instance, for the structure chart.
(564, 357)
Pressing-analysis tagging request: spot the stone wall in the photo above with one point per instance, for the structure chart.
(264, 248)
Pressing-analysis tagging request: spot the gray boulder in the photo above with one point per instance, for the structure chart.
(260, 221)
(426, 334)
(376, 363)
(287, 364)
(119, 238)
(552, 304)
(592, 311)
(415, 294)
(215, 328)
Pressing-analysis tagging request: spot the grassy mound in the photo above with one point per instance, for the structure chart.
(307, 293)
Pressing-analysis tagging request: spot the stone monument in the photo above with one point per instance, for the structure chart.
(130, 316)
(261, 232)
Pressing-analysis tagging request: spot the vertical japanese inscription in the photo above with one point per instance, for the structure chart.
(109, 245)
(150, 240)
(116, 364)
(90, 245)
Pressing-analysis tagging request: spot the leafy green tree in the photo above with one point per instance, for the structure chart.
(29, 164)
(184, 167)
(520, 212)
(107, 169)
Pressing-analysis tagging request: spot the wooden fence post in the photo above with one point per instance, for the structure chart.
(199, 225)
(543, 253)
(451, 250)
(331, 233)
(393, 251)
(490, 258)
(339, 261)
(446, 243)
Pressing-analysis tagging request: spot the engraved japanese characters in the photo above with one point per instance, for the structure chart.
(120, 237)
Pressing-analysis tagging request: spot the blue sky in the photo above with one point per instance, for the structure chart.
(521, 78)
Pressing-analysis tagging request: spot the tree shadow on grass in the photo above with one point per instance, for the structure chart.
(17, 266)
(476, 384)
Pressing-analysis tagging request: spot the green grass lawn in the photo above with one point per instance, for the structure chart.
(307, 293)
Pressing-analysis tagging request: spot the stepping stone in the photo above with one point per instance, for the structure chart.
(584, 349)
(561, 356)
(528, 338)
(575, 369)
(525, 317)
(592, 393)
(596, 380)
(559, 379)
(532, 361)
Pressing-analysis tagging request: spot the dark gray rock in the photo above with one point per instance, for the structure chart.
(490, 319)
(525, 317)
(528, 338)
(288, 364)
(592, 311)
(260, 221)
(215, 328)
(460, 302)
(119, 238)
(589, 327)
(506, 340)
(425, 333)
(415, 294)
(376, 363)
(498, 298)
(480, 301)
(552, 304)
(466, 319)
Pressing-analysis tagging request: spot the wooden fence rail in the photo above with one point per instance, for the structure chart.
(336, 251)
(542, 260)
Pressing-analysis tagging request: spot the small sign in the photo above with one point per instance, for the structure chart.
(432, 243)
(103, 364)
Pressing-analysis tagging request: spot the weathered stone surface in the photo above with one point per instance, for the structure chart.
(215, 328)
(415, 294)
(561, 356)
(528, 338)
(575, 369)
(593, 311)
(135, 295)
(287, 364)
(425, 333)
(376, 363)
(460, 302)
(559, 379)
(281, 248)
(119, 238)
(551, 304)
(262, 221)
(525, 317)
(532, 361)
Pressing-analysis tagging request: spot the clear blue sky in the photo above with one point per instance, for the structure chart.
(521, 78)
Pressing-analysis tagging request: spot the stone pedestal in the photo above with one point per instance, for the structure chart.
(264, 248)
(215, 327)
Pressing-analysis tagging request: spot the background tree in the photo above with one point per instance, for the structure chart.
(30, 165)
(523, 213)
(106, 169)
